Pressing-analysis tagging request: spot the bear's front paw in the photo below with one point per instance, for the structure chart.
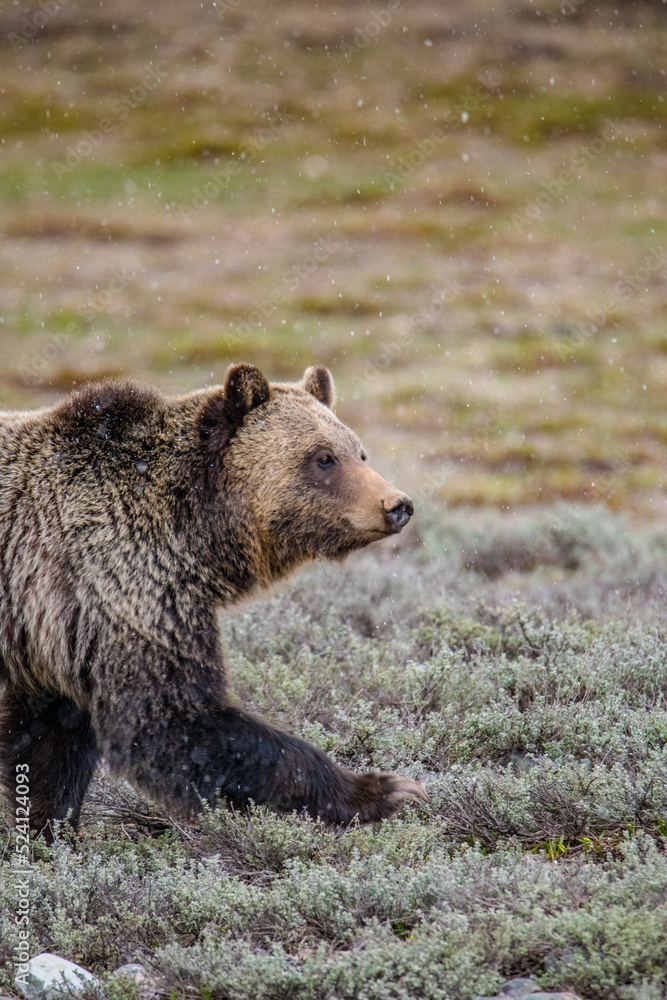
(382, 795)
(397, 790)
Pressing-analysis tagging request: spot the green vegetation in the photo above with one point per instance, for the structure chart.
(519, 668)
(461, 212)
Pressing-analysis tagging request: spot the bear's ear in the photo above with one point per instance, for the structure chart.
(319, 383)
(224, 412)
(245, 388)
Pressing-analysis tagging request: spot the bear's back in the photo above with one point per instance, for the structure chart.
(19, 441)
(88, 490)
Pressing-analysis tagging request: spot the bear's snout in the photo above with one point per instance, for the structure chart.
(399, 515)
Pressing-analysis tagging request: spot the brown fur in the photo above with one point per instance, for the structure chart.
(126, 520)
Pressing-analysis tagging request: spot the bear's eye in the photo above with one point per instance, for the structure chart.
(363, 456)
(326, 461)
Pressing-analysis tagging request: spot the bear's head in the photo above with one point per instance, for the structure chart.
(280, 451)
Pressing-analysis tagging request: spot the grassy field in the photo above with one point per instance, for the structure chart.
(460, 208)
(461, 212)
(520, 672)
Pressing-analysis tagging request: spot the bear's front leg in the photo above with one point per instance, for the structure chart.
(289, 774)
(184, 748)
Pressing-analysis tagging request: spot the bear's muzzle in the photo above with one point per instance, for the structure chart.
(399, 515)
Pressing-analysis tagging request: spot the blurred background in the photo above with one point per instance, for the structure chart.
(458, 207)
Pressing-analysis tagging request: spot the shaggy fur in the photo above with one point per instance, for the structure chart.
(127, 520)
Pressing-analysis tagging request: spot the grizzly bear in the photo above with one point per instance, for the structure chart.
(127, 520)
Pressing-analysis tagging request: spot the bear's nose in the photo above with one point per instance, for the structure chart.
(399, 515)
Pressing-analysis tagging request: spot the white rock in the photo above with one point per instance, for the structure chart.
(137, 974)
(134, 972)
(46, 974)
(519, 986)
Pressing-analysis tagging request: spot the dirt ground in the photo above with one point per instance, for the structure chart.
(460, 208)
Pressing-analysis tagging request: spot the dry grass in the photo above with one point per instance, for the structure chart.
(518, 667)
(381, 189)
(493, 335)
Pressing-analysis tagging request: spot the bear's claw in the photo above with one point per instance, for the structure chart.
(397, 790)
(379, 795)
